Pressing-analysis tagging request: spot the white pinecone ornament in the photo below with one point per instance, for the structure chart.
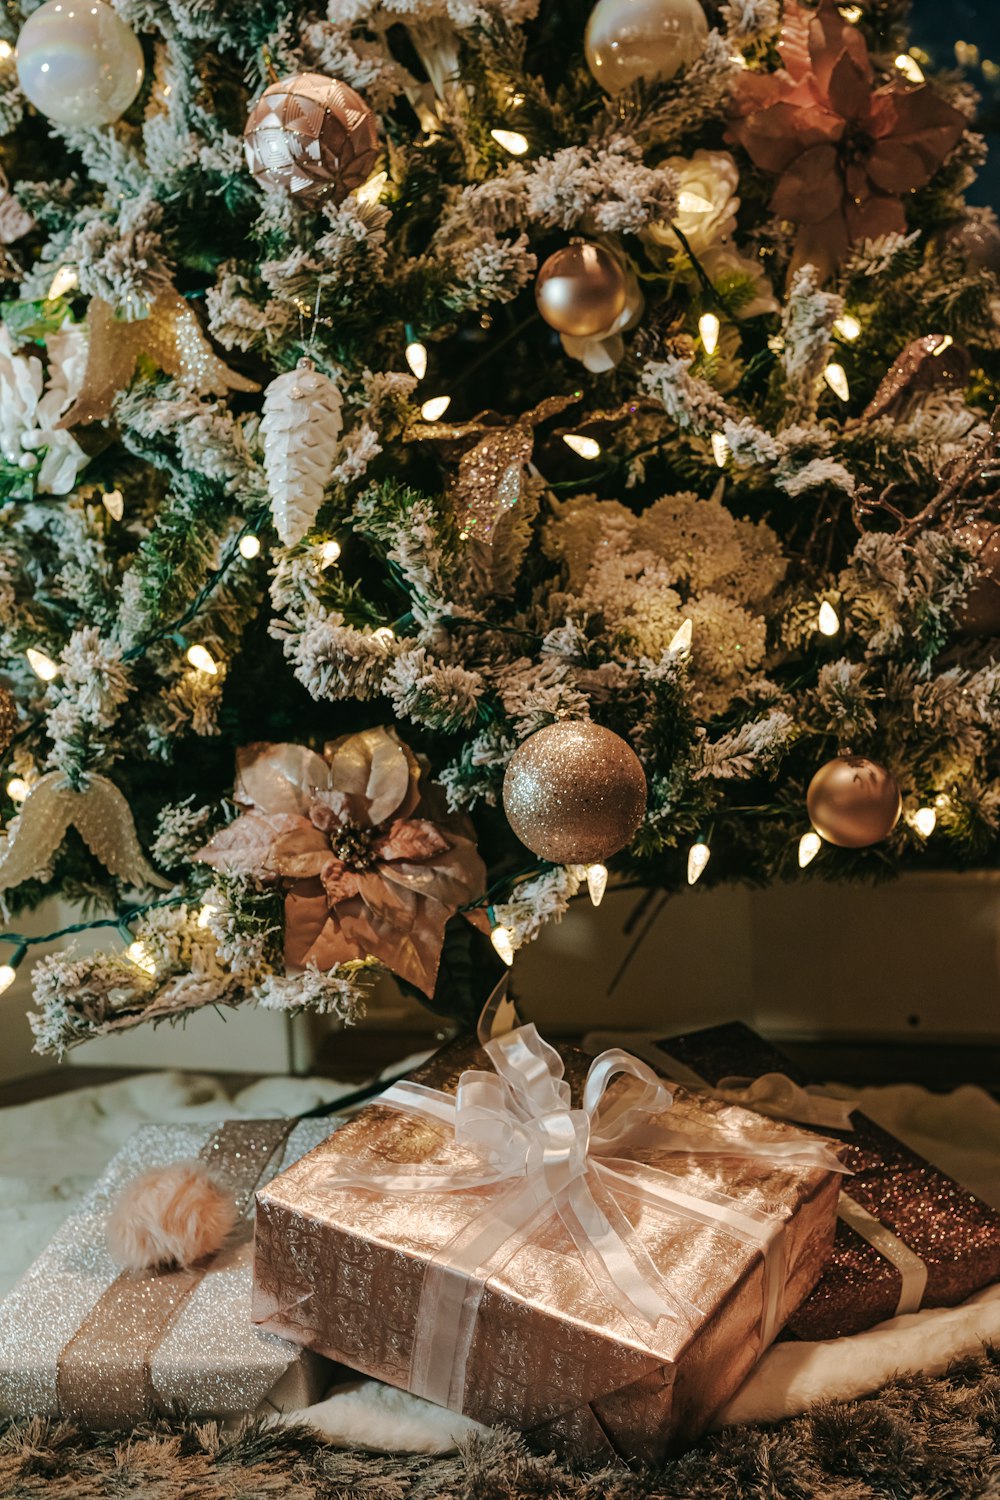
(303, 420)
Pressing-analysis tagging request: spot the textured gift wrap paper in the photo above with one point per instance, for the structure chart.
(341, 1268)
(80, 1339)
(908, 1236)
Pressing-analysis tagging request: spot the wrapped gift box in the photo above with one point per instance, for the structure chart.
(907, 1235)
(378, 1277)
(80, 1339)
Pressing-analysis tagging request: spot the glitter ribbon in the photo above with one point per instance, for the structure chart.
(522, 1131)
(104, 1373)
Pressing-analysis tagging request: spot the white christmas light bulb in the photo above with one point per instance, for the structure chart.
(114, 503)
(829, 620)
(924, 820)
(809, 846)
(720, 449)
(511, 140)
(910, 68)
(693, 203)
(141, 957)
(848, 327)
(709, 327)
(43, 666)
(206, 914)
(329, 553)
(6, 50)
(7, 977)
(851, 13)
(384, 634)
(681, 640)
(63, 281)
(202, 660)
(698, 857)
(435, 408)
(597, 882)
(371, 191)
(502, 940)
(586, 447)
(944, 343)
(836, 378)
(416, 358)
(18, 789)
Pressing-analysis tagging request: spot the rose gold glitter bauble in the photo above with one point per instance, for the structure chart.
(979, 612)
(853, 802)
(580, 290)
(574, 793)
(9, 719)
(313, 136)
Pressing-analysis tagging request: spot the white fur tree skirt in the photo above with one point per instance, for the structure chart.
(53, 1149)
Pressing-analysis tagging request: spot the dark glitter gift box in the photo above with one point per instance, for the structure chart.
(954, 1234)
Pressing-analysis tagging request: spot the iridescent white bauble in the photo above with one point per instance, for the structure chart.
(650, 39)
(78, 62)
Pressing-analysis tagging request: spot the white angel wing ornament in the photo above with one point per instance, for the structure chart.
(98, 811)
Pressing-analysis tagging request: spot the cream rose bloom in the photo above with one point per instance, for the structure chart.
(707, 202)
(30, 408)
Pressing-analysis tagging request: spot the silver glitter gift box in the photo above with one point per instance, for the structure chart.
(80, 1339)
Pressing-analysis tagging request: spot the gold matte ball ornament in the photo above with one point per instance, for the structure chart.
(574, 793)
(312, 136)
(649, 39)
(853, 802)
(581, 290)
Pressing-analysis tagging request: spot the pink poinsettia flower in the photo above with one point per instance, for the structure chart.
(371, 863)
(845, 153)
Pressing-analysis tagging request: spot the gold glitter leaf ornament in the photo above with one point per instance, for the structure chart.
(301, 431)
(170, 335)
(99, 813)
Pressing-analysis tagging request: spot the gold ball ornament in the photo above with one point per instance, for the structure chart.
(979, 612)
(581, 290)
(312, 136)
(574, 793)
(853, 802)
(650, 39)
(9, 719)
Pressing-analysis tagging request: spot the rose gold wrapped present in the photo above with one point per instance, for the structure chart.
(598, 1260)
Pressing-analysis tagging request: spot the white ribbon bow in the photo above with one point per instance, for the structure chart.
(775, 1094)
(521, 1129)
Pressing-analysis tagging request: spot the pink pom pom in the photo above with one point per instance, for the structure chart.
(169, 1216)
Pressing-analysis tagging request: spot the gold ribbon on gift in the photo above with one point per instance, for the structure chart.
(776, 1095)
(104, 1374)
(553, 1160)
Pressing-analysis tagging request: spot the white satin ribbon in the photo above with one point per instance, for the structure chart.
(520, 1128)
(775, 1094)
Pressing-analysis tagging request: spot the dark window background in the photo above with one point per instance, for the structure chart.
(937, 27)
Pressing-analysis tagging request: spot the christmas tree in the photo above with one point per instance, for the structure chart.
(451, 450)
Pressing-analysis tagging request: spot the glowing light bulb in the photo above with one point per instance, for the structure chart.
(809, 846)
(249, 546)
(597, 882)
(63, 281)
(7, 976)
(206, 914)
(720, 449)
(503, 942)
(511, 140)
(836, 378)
(709, 328)
(371, 191)
(435, 407)
(681, 640)
(693, 203)
(848, 327)
(924, 820)
(385, 634)
(6, 50)
(114, 503)
(329, 553)
(141, 957)
(202, 660)
(945, 343)
(18, 789)
(586, 447)
(43, 666)
(829, 620)
(698, 857)
(910, 68)
(851, 13)
(416, 358)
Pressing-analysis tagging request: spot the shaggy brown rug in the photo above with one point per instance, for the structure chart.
(921, 1438)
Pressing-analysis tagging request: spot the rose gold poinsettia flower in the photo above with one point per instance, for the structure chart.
(844, 151)
(372, 864)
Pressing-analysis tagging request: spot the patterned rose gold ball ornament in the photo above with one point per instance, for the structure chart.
(581, 290)
(9, 719)
(979, 612)
(312, 136)
(574, 793)
(853, 802)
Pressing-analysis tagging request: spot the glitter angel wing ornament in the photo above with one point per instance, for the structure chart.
(170, 335)
(301, 430)
(99, 813)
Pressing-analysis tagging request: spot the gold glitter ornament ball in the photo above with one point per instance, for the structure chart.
(853, 802)
(312, 136)
(650, 39)
(581, 290)
(9, 719)
(574, 793)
